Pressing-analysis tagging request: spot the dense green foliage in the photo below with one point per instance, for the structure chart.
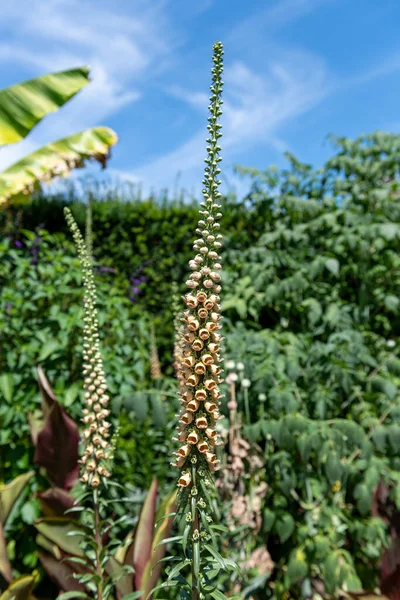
(312, 290)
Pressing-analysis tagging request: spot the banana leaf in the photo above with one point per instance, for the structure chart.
(55, 159)
(22, 106)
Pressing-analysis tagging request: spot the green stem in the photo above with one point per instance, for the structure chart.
(195, 539)
(246, 405)
(99, 545)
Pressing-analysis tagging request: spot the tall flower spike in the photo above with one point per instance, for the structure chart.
(197, 356)
(96, 434)
(199, 376)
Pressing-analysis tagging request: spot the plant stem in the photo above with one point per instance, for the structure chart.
(99, 545)
(246, 405)
(195, 539)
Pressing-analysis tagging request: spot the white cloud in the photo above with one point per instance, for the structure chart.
(120, 47)
(256, 104)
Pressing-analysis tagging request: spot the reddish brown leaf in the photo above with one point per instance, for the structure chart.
(55, 501)
(62, 572)
(57, 441)
(144, 534)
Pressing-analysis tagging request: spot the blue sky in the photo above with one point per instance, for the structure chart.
(295, 71)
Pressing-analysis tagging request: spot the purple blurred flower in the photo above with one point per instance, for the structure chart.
(19, 244)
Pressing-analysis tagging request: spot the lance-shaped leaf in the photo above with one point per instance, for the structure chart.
(143, 541)
(55, 501)
(10, 493)
(5, 565)
(55, 160)
(65, 533)
(19, 589)
(22, 106)
(153, 567)
(62, 572)
(57, 441)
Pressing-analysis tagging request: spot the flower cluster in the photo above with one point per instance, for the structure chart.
(96, 434)
(199, 363)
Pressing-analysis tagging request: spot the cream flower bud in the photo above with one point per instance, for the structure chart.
(211, 433)
(193, 380)
(192, 406)
(207, 359)
(201, 297)
(210, 384)
(201, 422)
(193, 325)
(180, 461)
(199, 368)
(191, 301)
(95, 481)
(187, 418)
(208, 283)
(211, 457)
(184, 480)
(197, 345)
(184, 450)
(203, 446)
(200, 395)
(204, 334)
(209, 303)
(193, 438)
(189, 361)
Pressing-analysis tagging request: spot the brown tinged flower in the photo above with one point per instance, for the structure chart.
(198, 370)
(97, 448)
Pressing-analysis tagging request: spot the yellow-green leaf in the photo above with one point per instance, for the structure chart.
(22, 106)
(55, 159)
(10, 493)
(20, 589)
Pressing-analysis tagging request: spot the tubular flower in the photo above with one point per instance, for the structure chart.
(199, 374)
(95, 437)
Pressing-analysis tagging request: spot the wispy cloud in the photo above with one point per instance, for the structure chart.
(255, 105)
(119, 47)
